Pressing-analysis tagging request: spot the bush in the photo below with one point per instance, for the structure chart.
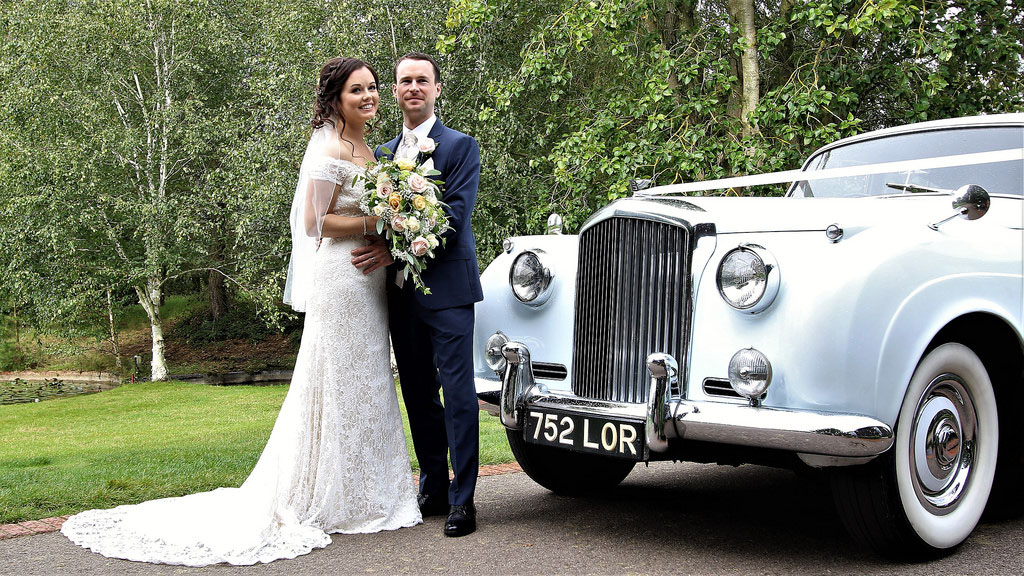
(241, 322)
(13, 357)
(87, 361)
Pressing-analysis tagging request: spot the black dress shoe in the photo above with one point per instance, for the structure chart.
(461, 521)
(436, 505)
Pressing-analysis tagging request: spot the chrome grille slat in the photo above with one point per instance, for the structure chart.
(621, 321)
(630, 301)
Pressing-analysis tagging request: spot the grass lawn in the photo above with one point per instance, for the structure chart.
(145, 441)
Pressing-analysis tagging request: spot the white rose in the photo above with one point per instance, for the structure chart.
(419, 246)
(379, 210)
(417, 183)
(427, 145)
(432, 240)
(412, 224)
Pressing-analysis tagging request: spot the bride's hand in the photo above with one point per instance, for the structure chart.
(372, 256)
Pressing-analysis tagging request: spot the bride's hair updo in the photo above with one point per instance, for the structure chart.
(333, 76)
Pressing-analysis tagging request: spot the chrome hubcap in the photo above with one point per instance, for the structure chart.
(942, 443)
(945, 444)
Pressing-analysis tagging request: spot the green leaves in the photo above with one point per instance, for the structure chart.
(580, 97)
(568, 100)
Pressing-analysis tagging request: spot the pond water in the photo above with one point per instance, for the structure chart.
(20, 391)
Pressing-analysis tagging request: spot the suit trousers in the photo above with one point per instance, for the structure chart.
(434, 352)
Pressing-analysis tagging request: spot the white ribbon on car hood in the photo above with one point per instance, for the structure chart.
(865, 170)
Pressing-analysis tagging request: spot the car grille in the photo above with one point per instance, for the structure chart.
(631, 292)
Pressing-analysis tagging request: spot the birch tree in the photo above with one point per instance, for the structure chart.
(127, 110)
(748, 87)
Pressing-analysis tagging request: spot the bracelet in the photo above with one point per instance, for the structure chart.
(364, 225)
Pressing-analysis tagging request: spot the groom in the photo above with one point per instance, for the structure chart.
(432, 334)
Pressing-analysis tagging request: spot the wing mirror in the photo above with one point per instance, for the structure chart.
(972, 202)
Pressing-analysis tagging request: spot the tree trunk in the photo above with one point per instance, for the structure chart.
(150, 298)
(215, 280)
(113, 333)
(742, 14)
(17, 327)
(673, 17)
(218, 296)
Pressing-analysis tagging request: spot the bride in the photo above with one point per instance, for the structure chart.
(336, 461)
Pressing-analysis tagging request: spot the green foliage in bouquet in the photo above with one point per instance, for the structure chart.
(403, 194)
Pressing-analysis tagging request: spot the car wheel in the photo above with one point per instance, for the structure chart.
(926, 495)
(564, 472)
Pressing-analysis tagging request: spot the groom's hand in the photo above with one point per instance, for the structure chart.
(372, 256)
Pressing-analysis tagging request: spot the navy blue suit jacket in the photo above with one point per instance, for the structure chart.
(453, 275)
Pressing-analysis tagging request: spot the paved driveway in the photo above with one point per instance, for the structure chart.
(664, 519)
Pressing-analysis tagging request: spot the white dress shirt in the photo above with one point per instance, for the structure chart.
(421, 132)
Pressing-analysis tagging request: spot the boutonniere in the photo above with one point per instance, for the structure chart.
(426, 149)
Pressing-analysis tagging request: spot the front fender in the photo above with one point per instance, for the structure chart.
(928, 310)
(545, 329)
(853, 319)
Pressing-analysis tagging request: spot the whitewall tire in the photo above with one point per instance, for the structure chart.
(947, 441)
(927, 494)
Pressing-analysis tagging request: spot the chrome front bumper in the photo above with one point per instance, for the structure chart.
(803, 432)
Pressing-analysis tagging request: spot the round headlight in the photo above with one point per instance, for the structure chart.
(530, 278)
(492, 354)
(748, 278)
(750, 373)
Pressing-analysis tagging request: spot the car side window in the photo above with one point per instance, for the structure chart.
(999, 178)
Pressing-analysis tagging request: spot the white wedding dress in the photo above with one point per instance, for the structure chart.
(336, 461)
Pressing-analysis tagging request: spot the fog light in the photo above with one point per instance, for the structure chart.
(750, 373)
(493, 356)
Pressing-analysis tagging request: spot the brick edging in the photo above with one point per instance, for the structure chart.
(46, 525)
(31, 527)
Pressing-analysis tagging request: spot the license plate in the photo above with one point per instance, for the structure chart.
(591, 434)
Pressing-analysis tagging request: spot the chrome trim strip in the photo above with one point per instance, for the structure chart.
(549, 371)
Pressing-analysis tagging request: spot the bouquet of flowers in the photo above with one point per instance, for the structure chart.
(412, 219)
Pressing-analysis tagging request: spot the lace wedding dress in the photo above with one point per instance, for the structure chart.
(336, 461)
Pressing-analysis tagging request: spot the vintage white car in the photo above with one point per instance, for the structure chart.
(870, 323)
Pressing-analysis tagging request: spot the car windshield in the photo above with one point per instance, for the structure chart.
(998, 178)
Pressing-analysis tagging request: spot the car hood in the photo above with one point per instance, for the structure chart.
(774, 214)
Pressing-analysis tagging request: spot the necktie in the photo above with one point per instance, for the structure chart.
(409, 149)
